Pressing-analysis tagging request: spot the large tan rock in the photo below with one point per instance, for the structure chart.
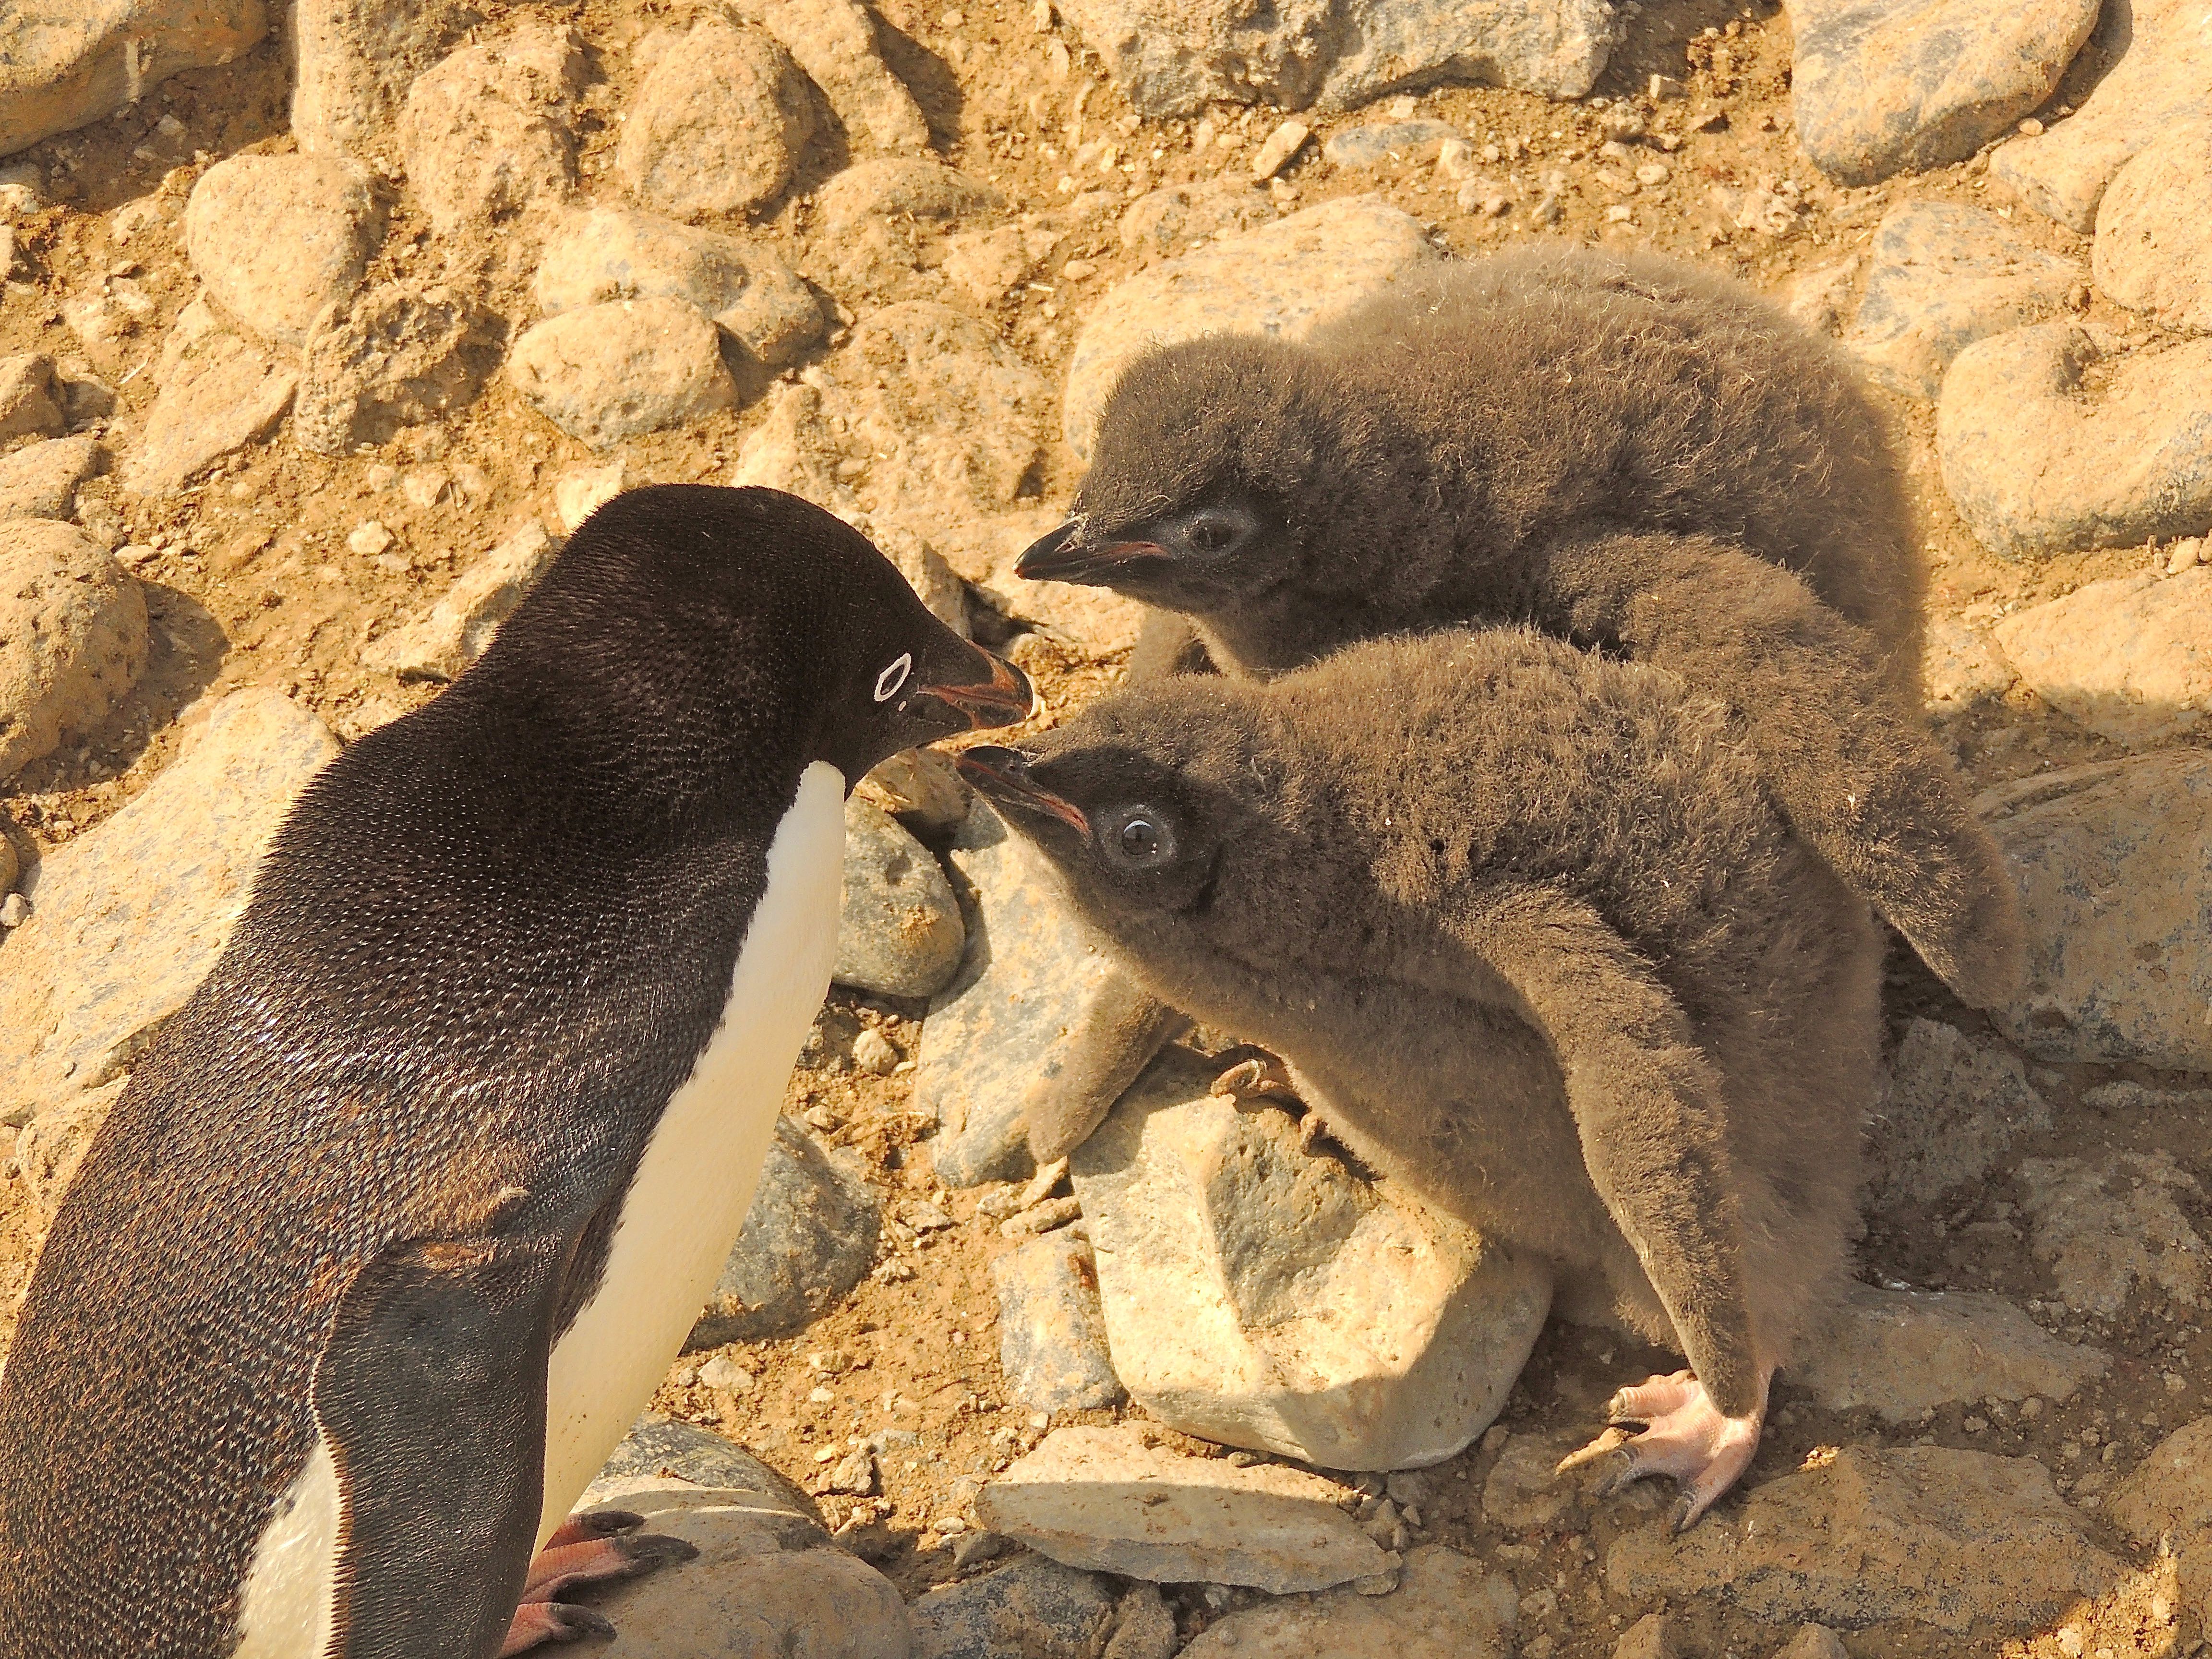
(2130, 657)
(64, 63)
(488, 133)
(834, 42)
(716, 124)
(72, 637)
(126, 920)
(276, 238)
(1264, 1297)
(2153, 249)
(606, 372)
(1447, 1606)
(1900, 1352)
(454, 632)
(2159, 82)
(1952, 1539)
(1102, 1499)
(2114, 867)
(353, 60)
(218, 393)
(1287, 279)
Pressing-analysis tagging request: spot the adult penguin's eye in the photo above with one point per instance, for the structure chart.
(1138, 837)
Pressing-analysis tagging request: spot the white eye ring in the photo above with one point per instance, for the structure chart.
(894, 676)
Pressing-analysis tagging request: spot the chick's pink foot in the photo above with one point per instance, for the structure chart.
(588, 1549)
(1682, 1435)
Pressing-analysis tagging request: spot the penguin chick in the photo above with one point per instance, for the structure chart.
(402, 1217)
(1618, 450)
(1530, 933)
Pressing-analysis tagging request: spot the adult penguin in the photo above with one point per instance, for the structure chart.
(402, 1217)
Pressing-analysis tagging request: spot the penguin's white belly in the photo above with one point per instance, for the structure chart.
(696, 1182)
(679, 1217)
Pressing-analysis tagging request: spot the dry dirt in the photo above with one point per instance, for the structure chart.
(252, 582)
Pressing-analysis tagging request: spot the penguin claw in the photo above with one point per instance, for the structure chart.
(1262, 1079)
(1678, 1432)
(550, 1624)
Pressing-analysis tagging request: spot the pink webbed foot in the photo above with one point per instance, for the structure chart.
(588, 1549)
(1681, 1434)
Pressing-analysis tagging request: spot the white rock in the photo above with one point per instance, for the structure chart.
(1263, 1296)
(2049, 443)
(1901, 1352)
(834, 42)
(455, 630)
(72, 638)
(276, 237)
(606, 372)
(65, 64)
(716, 124)
(2153, 249)
(899, 933)
(218, 394)
(127, 919)
(1447, 1606)
(1944, 277)
(2114, 865)
(582, 491)
(601, 254)
(2157, 82)
(1287, 279)
(40, 480)
(1102, 1499)
(488, 132)
(2130, 657)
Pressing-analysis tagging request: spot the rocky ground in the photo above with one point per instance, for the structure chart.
(311, 353)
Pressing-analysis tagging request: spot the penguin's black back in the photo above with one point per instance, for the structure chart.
(489, 942)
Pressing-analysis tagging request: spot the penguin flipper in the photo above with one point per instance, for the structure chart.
(1649, 1113)
(1852, 768)
(431, 1389)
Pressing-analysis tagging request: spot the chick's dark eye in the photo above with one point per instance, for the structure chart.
(1212, 535)
(1138, 836)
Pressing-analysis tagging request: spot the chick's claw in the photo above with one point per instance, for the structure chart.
(1669, 1426)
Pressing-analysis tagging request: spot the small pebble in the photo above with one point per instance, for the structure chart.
(368, 538)
(874, 1052)
(722, 1372)
(15, 910)
(2185, 555)
(820, 1396)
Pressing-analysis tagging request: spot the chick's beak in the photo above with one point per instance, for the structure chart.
(1003, 775)
(999, 696)
(1064, 557)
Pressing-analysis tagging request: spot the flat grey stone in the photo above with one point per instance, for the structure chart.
(1052, 1332)
(274, 239)
(809, 1237)
(2157, 82)
(1899, 86)
(716, 123)
(914, 187)
(397, 355)
(127, 919)
(1944, 277)
(2041, 457)
(1030, 975)
(834, 42)
(1173, 60)
(1260, 1295)
(601, 254)
(899, 933)
(489, 134)
(39, 480)
(1447, 1606)
(1287, 279)
(353, 60)
(1952, 1539)
(1950, 1111)
(218, 393)
(1034, 1608)
(2130, 658)
(1372, 145)
(2114, 864)
(454, 632)
(65, 64)
(747, 1592)
(72, 637)
(1898, 1354)
(1104, 1500)
(657, 1448)
(2154, 250)
(606, 372)
(2113, 1227)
